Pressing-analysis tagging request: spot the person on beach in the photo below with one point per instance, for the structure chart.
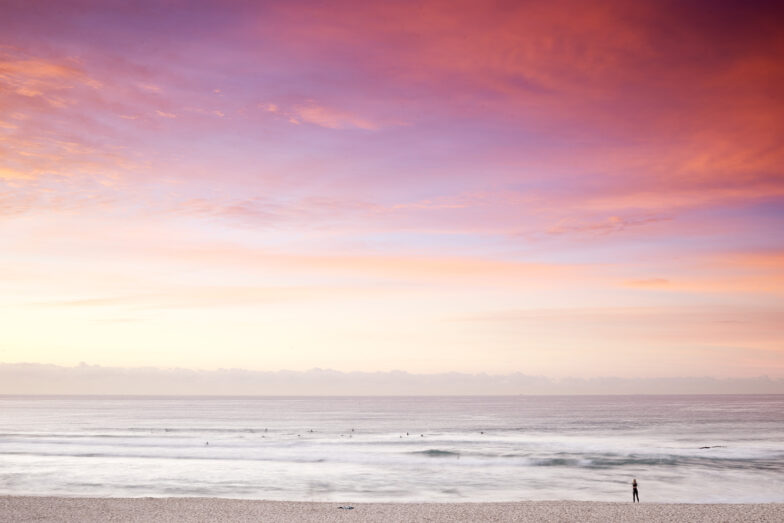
(635, 494)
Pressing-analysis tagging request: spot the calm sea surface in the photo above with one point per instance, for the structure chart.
(397, 449)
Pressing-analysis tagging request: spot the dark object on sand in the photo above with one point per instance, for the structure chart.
(347, 507)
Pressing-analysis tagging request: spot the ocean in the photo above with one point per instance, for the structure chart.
(695, 449)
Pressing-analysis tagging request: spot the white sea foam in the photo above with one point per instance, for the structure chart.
(680, 448)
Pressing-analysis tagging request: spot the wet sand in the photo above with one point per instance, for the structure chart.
(21, 508)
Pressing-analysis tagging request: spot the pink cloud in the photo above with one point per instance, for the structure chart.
(624, 148)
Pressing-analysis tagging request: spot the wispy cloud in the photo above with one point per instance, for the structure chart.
(648, 282)
(312, 112)
(332, 118)
(606, 226)
(365, 170)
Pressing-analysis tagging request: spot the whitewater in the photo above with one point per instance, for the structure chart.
(695, 449)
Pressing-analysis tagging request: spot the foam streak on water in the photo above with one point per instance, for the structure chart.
(680, 448)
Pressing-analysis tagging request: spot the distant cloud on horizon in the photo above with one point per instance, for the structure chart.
(42, 379)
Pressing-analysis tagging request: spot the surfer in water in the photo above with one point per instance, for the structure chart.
(635, 495)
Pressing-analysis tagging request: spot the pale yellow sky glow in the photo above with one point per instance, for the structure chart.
(162, 297)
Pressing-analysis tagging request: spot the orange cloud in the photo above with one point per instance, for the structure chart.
(34, 78)
(332, 118)
(11, 174)
(772, 260)
(324, 116)
(734, 273)
(392, 267)
(648, 282)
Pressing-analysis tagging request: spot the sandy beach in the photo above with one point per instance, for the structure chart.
(21, 508)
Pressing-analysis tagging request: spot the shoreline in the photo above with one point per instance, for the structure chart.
(86, 509)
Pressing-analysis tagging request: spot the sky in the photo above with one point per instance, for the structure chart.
(558, 189)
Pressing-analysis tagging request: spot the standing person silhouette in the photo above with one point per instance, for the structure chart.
(635, 494)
